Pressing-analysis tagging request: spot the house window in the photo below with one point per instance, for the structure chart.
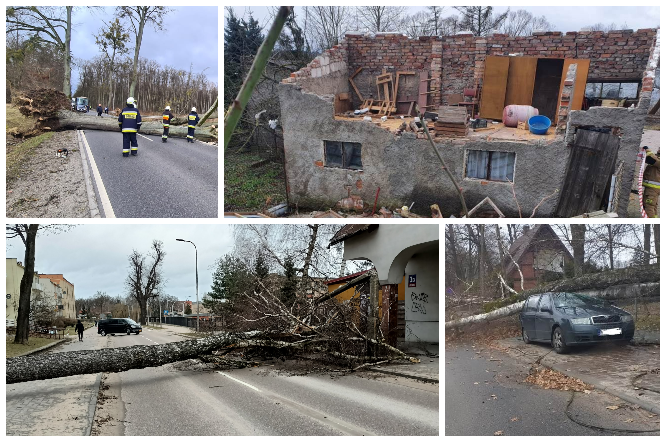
(612, 90)
(343, 154)
(490, 165)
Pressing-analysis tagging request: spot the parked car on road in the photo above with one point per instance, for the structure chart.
(567, 319)
(118, 325)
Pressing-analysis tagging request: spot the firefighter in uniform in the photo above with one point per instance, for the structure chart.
(130, 122)
(166, 122)
(192, 121)
(651, 184)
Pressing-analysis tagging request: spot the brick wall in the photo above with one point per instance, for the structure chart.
(457, 61)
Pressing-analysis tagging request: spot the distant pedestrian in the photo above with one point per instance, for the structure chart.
(79, 329)
(106, 110)
(191, 127)
(99, 110)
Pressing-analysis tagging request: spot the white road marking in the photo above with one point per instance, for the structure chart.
(145, 137)
(237, 380)
(103, 196)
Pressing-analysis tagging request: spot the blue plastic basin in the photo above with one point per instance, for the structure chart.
(539, 124)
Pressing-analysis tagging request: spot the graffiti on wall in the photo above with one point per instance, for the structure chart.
(419, 302)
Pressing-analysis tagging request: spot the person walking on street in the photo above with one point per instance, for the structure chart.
(106, 110)
(79, 329)
(166, 122)
(651, 184)
(129, 122)
(192, 120)
(99, 110)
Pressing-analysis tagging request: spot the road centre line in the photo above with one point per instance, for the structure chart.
(103, 196)
(145, 137)
(237, 380)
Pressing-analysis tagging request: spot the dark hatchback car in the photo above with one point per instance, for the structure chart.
(566, 319)
(118, 325)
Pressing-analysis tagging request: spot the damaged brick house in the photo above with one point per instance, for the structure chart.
(583, 164)
(539, 255)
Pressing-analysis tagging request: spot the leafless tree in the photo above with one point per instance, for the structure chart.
(380, 18)
(112, 41)
(138, 17)
(146, 280)
(326, 25)
(604, 27)
(480, 20)
(523, 23)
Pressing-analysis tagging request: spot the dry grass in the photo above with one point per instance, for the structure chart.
(34, 343)
(17, 155)
(17, 123)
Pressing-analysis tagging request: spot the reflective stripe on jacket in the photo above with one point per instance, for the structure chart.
(129, 119)
(166, 118)
(193, 119)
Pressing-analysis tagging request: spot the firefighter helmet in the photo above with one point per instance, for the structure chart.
(131, 100)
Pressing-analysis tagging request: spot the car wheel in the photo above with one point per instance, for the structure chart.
(137, 333)
(558, 341)
(128, 331)
(103, 332)
(525, 337)
(112, 334)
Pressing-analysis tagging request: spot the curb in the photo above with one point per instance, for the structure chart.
(92, 408)
(92, 199)
(589, 379)
(404, 375)
(46, 347)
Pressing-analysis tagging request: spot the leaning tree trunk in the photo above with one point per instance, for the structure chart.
(209, 112)
(73, 120)
(498, 313)
(648, 275)
(110, 360)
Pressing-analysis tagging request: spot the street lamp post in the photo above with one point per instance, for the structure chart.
(198, 306)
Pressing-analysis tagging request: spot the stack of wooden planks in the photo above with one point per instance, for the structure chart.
(452, 122)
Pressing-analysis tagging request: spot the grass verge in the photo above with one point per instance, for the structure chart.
(17, 155)
(17, 122)
(247, 188)
(14, 350)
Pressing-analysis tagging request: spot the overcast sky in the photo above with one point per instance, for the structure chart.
(563, 18)
(190, 37)
(95, 257)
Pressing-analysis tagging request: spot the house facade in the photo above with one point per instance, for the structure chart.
(538, 254)
(328, 155)
(400, 254)
(67, 307)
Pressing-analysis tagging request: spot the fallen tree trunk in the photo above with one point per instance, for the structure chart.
(594, 284)
(73, 120)
(498, 313)
(112, 360)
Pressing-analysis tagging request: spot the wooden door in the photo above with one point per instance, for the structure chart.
(591, 164)
(520, 80)
(494, 87)
(582, 67)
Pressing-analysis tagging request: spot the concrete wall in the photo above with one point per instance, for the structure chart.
(405, 167)
(421, 309)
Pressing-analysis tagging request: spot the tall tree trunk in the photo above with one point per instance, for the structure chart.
(610, 227)
(482, 258)
(646, 243)
(66, 87)
(578, 247)
(452, 251)
(23, 317)
(656, 231)
(139, 39)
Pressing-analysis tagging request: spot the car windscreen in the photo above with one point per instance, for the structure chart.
(131, 321)
(562, 300)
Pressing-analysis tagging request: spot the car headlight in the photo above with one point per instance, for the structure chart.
(580, 321)
(626, 318)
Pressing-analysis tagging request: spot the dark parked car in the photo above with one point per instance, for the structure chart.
(566, 319)
(118, 325)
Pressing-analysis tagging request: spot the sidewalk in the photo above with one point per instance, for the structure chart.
(628, 372)
(427, 370)
(56, 407)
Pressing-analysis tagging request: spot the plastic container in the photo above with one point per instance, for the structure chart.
(539, 124)
(514, 113)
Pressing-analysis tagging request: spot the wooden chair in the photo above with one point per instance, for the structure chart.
(470, 100)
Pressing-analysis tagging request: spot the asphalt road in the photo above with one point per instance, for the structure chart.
(165, 180)
(182, 400)
(485, 393)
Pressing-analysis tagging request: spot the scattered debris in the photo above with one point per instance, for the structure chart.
(553, 380)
